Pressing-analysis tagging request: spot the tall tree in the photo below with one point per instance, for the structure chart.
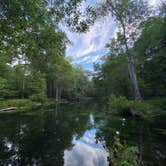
(128, 15)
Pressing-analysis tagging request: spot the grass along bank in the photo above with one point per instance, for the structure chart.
(142, 109)
(25, 104)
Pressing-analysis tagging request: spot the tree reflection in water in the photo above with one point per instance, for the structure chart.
(73, 138)
(38, 138)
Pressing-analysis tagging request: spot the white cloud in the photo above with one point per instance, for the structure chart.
(86, 152)
(154, 3)
(84, 155)
(88, 59)
(92, 41)
(86, 46)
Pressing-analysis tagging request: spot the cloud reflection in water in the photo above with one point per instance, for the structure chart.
(86, 151)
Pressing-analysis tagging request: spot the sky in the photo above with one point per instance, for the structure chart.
(88, 48)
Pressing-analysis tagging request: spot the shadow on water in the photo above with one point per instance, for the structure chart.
(75, 137)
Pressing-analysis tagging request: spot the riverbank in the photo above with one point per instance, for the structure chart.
(22, 105)
(117, 105)
(120, 138)
(141, 109)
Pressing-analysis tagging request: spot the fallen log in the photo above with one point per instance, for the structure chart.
(8, 109)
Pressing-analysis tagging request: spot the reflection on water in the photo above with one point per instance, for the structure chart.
(75, 138)
(91, 119)
(87, 150)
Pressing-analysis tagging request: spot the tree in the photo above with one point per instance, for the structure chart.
(18, 19)
(30, 30)
(128, 14)
(153, 37)
(19, 80)
(59, 77)
(81, 83)
(36, 86)
(116, 76)
(150, 50)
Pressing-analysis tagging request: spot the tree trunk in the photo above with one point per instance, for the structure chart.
(23, 88)
(131, 68)
(133, 79)
(57, 94)
(57, 99)
(60, 92)
(49, 88)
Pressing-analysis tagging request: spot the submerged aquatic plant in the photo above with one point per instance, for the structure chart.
(123, 155)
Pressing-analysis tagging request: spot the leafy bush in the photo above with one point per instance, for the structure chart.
(141, 106)
(158, 102)
(117, 103)
(122, 105)
(15, 103)
(123, 155)
(40, 97)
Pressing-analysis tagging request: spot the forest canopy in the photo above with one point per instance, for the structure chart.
(33, 61)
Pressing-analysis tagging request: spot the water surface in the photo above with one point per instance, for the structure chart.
(75, 138)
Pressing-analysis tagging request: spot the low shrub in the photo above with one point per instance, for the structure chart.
(123, 105)
(14, 103)
(117, 103)
(40, 97)
(21, 104)
(123, 155)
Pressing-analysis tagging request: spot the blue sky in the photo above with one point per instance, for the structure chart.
(88, 48)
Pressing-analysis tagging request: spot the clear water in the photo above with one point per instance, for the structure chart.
(75, 138)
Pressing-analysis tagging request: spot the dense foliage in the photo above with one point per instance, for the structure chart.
(34, 68)
(32, 51)
(150, 62)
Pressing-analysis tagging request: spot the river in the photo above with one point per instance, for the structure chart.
(76, 138)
